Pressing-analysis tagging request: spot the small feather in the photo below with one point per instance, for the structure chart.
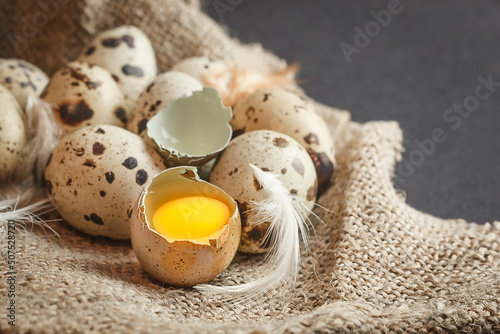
(24, 202)
(233, 83)
(287, 215)
(44, 134)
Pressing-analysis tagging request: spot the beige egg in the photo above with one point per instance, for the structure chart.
(83, 94)
(182, 263)
(166, 87)
(22, 78)
(95, 176)
(284, 111)
(128, 55)
(272, 152)
(199, 67)
(13, 138)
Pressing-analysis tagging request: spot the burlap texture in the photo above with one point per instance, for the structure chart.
(376, 264)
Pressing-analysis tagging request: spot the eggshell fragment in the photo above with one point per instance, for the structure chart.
(191, 130)
(182, 263)
(95, 176)
(164, 89)
(22, 79)
(272, 152)
(13, 138)
(128, 55)
(284, 111)
(83, 94)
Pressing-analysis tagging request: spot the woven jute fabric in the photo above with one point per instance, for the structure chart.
(375, 264)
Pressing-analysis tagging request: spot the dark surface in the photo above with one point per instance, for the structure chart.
(423, 62)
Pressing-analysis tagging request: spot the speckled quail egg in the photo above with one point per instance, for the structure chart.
(272, 152)
(13, 138)
(128, 55)
(284, 111)
(199, 67)
(95, 176)
(83, 94)
(22, 78)
(183, 261)
(158, 95)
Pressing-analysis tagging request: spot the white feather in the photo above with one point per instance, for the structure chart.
(44, 134)
(288, 217)
(25, 201)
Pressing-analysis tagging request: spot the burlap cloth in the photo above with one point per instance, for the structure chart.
(376, 264)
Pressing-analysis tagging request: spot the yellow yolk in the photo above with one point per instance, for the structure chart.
(190, 218)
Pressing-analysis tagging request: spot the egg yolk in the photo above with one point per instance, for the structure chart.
(190, 218)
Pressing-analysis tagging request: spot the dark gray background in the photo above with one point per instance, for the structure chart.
(427, 59)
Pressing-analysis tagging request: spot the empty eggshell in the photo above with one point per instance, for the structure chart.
(192, 130)
(128, 55)
(182, 263)
(272, 152)
(284, 111)
(166, 87)
(22, 78)
(95, 176)
(83, 94)
(13, 138)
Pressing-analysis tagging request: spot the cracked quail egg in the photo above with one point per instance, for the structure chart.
(184, 231)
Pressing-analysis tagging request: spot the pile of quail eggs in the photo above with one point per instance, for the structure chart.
(132, 138)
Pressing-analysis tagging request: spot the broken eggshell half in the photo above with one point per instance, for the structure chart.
(191, 130)
(182, 263)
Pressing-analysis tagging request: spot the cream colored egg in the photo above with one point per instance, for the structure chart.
(187, 262)
(13, 137)
(284, 111)
(95, 176)
(128, 55)
(83, 94)
(272, 152)
(199, 67)
(22, 79)
(166, 87)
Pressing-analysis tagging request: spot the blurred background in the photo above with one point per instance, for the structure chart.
(425, 64)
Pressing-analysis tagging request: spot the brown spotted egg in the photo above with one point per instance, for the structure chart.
(13, 138)
(167, 87)
(272, 152)
(128, 55)
(83, 94)
(22, 78)
(284, 111)
(95, 176)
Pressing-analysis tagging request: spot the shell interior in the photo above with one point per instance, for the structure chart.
(176, 183)
(192, 130)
